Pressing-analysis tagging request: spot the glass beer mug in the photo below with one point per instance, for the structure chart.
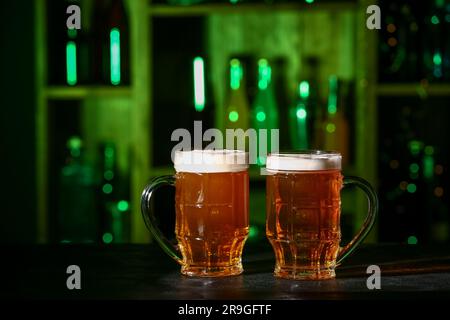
(303, 213)
(211, 204)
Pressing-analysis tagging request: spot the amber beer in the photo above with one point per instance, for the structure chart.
(212, 221)
(303, 205)
(211, 202)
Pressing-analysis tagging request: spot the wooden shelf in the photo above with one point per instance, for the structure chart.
(141, 95)
(413, 89)
(80, 92)
(226, 8)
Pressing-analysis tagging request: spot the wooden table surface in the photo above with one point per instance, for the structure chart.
(145, 272)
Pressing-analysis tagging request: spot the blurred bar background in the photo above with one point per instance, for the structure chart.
(89, 113)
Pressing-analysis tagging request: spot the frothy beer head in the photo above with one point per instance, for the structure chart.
(210, 161)
(314, 160)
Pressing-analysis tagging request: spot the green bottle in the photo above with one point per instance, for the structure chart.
(237, 109)
(299, 120)
(77, 212)
(265, 111)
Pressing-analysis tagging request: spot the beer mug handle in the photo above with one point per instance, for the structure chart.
(150, 219)
(368, 222)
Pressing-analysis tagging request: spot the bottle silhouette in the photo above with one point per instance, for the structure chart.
(77, 215)
(299, 123)
(335, 127)
(237, 110)
(111, 43)
(264, 113)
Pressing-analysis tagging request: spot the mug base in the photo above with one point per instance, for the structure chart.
(205, 272)
(296, 274)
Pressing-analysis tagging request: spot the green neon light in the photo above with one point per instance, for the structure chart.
(303, 89)
(107, 188)
(331, 127)
(265, 74)
(309, 1)
(122, 205)
(261, 161)
(411, 188)
(414, 168)
(107, 237)
(437, 59)
(302, 132)
(109, 152)
(233, 116)
(435, 20)
(261, 116)
(428, 166)
(71, 63)
(114, 37)
(301, 113)
(236, 74)
(74, 143)
(412, 240)
(199, 84)
(108, 175)
(253, 232)
(332, 98)
(415, 147)
(429, 150)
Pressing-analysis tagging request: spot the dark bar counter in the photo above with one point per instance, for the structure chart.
(144, 272)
